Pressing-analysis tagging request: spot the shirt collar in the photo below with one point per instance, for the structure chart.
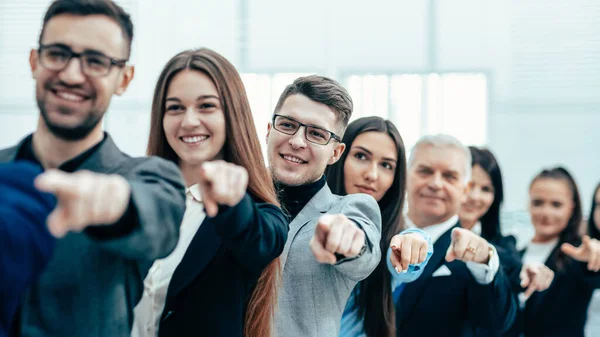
(477, 228)
(434, 231)
(194, 192)
(26, 153)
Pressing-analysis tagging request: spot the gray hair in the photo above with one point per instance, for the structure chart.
(441, 140)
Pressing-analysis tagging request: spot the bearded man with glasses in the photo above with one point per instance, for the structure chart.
(115, 214)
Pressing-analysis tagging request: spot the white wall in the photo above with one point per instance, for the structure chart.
(541, 58)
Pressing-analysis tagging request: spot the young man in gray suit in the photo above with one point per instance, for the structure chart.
(115, 214)
(333, 241)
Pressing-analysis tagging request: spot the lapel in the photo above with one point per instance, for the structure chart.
(202, 249)
(9, 154)
(412, 291)
(537, 298)
(106, 159)
(320, 203)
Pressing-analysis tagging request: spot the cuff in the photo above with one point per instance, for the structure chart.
(341, 258)
(485, 273)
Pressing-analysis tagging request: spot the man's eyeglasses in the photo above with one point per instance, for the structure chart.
(93, 64)
(313, 134)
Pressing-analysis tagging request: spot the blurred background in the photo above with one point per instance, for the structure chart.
(521, 77)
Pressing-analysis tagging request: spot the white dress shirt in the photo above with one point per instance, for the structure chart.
(148, 311)
(482, 273)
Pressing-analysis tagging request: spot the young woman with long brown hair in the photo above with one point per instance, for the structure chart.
(222, 278)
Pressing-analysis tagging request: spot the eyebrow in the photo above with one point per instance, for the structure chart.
(175, 99)
(309, 124)
(85, 51)
(371, 153)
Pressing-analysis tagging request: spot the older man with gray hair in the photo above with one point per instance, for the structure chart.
(462, 291)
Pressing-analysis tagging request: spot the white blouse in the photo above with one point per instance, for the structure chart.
(148, 311)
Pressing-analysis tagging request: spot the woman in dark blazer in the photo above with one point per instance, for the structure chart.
(481, 213)
(556, 214)
(221, 280)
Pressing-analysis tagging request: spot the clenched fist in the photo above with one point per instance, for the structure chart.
(84, 199)
(467, 246)
(335, 233)
(407, 249)
(222, 183)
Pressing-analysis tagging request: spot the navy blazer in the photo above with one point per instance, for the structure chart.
(25, 243)
(453, 305)
(211, 286)
(510, 262)
(561, 310)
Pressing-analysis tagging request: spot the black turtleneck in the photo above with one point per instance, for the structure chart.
(294, 198)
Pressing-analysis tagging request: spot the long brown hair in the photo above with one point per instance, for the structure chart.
(374, 294)
(241, 148)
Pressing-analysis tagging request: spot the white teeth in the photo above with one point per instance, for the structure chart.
(293, 159)
(194, 139)
(70, 97)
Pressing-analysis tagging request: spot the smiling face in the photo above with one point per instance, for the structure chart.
(72, 104)
(480, 197)
(293, 160)
(550, 206)
(370, 165)
(194, 122)
(436, 184)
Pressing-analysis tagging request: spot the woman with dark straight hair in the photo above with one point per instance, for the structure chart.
(222, 278)
(375, 163)
(556, 214)
(594, 219)
(481, 213)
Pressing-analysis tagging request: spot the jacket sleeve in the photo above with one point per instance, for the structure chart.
(149, 229)
(254, 232)
(492, 306)
(414, 270)
(364, 211)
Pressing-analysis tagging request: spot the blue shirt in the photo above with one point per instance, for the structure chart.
(352, 325)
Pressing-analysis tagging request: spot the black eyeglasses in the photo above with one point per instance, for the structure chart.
(313, 134)
(94, 64)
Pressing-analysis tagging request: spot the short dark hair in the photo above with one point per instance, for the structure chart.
(322, 90)
(91, 7)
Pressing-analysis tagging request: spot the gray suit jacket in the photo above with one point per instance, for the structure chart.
(95, 278)
(313, 295)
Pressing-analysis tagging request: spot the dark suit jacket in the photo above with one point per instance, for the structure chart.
(25, 243)
(211, 286)
(453, 305)
(95, 278)
(561, 310)
(510, 262)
